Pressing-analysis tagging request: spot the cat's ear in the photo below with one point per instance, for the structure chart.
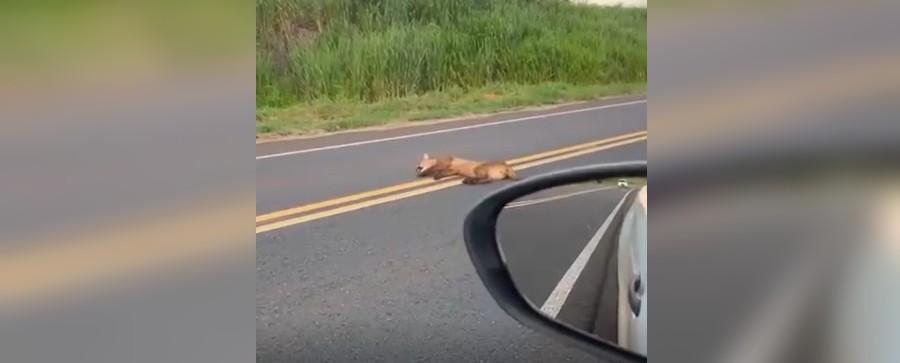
(424, 156)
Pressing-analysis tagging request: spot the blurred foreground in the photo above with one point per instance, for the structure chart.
(774, 233)
(128, 188)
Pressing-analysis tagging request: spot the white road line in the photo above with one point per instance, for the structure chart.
(550, 199)
(558, 297)
(340, 146)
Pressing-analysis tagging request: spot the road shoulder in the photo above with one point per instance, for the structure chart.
(405, 129)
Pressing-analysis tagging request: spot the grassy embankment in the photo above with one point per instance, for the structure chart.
(328, 65)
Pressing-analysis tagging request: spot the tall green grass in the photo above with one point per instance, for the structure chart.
(370, 50)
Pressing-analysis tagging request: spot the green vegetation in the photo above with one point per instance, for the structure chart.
(336, 64)
(326, 115)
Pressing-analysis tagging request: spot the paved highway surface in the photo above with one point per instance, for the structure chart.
(393, 282)
(542, 235)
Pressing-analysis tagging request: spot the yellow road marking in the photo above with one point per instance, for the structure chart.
(341, 200)
(576, 147)
(578, 153)
(353, 207)
(432, 188)
(417, 183)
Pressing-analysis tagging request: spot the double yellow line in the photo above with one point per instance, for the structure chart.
(309, 212)
(200, 235)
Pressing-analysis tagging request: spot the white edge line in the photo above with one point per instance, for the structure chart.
(358, 143)
(558, 297)
(552, 198)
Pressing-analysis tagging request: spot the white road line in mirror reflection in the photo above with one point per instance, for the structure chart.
(558, 297)
(523, 203)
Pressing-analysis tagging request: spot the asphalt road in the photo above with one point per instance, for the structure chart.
(541, 239)
(393, 282)
(293, 180)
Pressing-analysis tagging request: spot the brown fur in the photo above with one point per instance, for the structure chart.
(473, 172)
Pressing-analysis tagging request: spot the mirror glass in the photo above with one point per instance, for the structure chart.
(578, 253)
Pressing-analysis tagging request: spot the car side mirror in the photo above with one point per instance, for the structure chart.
(565, 253)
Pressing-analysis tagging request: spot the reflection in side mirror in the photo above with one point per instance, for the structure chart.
(565, 254)
(573, 253)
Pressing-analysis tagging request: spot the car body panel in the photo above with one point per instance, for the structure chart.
(632, 266)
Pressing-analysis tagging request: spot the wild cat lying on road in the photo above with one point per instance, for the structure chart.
(473, 172)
